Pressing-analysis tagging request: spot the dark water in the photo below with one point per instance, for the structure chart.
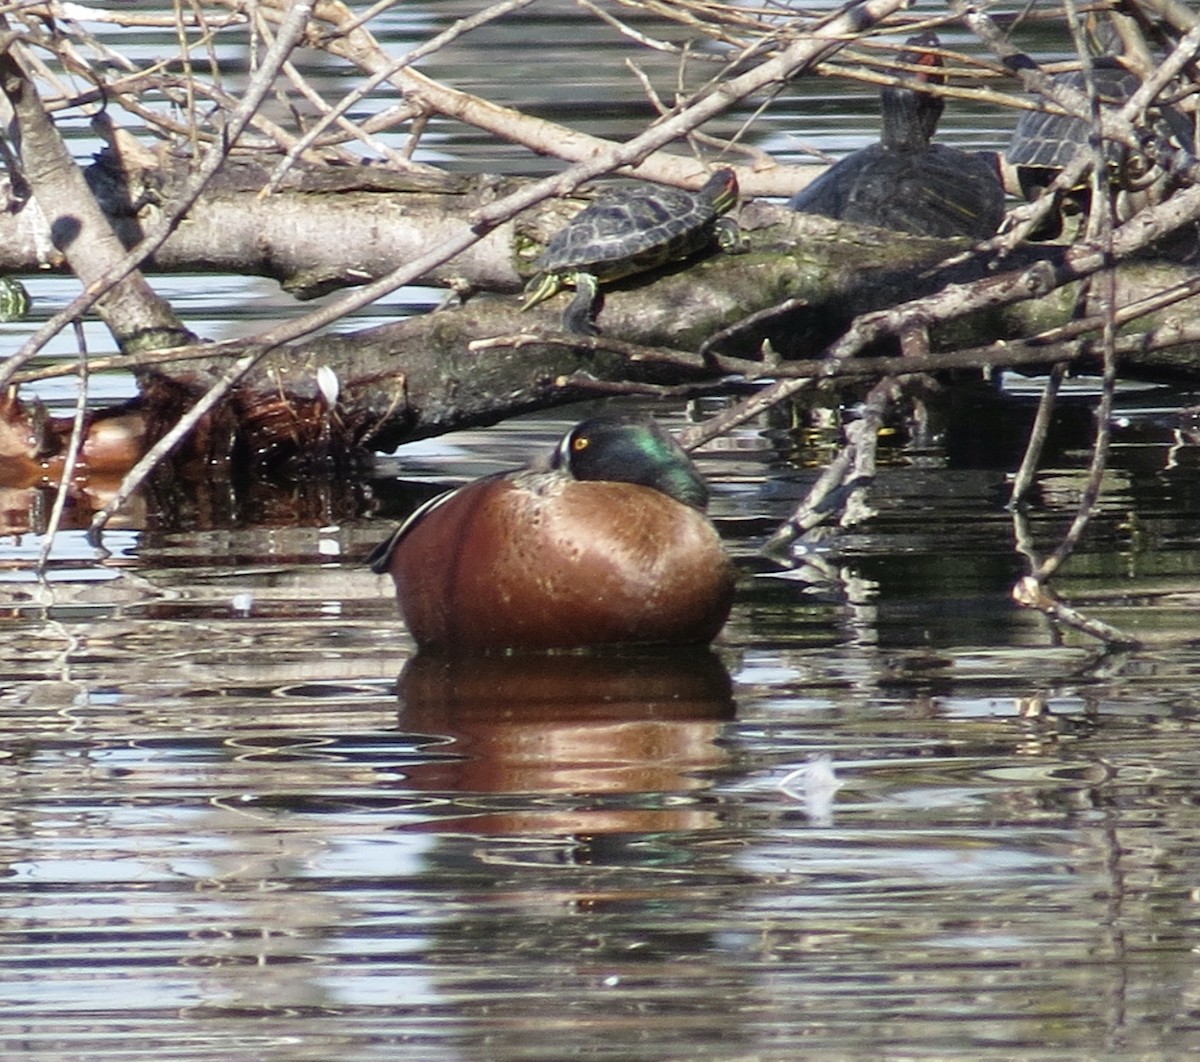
(889, 815)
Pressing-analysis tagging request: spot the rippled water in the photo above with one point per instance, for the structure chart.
(887, 816)
(892, 818)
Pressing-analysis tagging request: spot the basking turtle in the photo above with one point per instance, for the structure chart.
(905, 182)
(1043, 143)
(628, 231)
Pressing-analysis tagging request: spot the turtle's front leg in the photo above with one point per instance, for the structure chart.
(577, 317)
(730, 238)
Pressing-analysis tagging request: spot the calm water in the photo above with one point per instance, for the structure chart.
(887, 816)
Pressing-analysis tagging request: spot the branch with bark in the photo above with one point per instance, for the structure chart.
(227, 188)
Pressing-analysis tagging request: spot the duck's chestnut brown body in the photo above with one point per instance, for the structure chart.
(542, 559)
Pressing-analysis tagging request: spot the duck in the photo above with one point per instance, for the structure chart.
(605, 542)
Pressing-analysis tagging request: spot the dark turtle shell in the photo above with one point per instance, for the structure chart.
(940, 192)
(905, 182)
(1049, 141)
(638, 228)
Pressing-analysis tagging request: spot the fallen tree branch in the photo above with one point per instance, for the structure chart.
(125, 265)
(78, 228)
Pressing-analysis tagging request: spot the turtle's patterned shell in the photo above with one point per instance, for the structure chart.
(939, 191)
(630, 230)
(1049, 141)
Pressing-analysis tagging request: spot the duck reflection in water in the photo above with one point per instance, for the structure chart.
(584, 727)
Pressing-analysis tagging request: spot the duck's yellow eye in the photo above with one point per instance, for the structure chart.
(581, 443)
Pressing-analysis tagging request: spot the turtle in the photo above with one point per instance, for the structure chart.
(628, 231)
(905, 182)
(1043, 143)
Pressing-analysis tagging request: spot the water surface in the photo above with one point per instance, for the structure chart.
(888, 815)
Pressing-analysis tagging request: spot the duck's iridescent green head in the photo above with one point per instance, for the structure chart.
(629, 448)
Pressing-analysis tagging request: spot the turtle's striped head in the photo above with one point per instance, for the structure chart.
(721, 190)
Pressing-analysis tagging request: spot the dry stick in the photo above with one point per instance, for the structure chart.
(1092, 486)
(585, 381)
(189, 75)
(1029, 593)
(813, 509)
(844, 482)
(626, 30)
(752, 320)
(434, 44)
(72, 458)
(361, 19)
(349, 129)
(863, 435)
(133, 19)
(1023, 479)
(188, 194)
(207, 38)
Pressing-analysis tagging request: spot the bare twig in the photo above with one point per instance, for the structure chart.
(1029, 593)
(74, 446)
(841, 488)
(256, 90)
(1025, 474)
